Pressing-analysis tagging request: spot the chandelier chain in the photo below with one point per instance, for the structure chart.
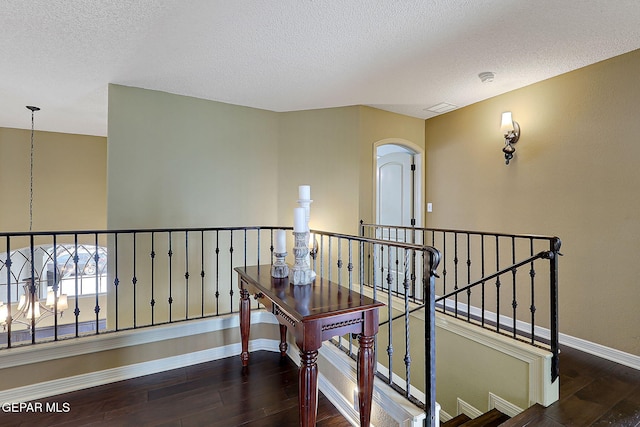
(31, 177)
(33, 110)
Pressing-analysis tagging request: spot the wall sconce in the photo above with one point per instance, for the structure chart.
(511, 131)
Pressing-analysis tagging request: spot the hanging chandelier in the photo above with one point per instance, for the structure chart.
(30, 308)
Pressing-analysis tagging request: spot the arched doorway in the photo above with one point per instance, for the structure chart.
(398, 183)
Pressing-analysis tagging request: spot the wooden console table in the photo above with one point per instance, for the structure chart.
(313, 313)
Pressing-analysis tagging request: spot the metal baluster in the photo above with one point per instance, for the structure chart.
(444, 270)
(76, 312)
(532, 309)
(97, 307)
(498, 284)
(116, 280)
(468, 277)
(186, 275)
(397, 263)
(231, 269)
(430, 337)
(375, 295)
(271, 247)
(362, 274)
(9, 318)
(407, 348)
(339, 261)
(134, 280)
(339, 281)
(390, 317)
(455, 271)
(413, 266)
(554, 253)
(483, 275)
(56, 288)
(382, 277)
(170, 299)
(202, 274)
(321, 255)
(217, 294)
(514, 303)
(153, 270)
(329, 263)
(350, 284)
(32, 291)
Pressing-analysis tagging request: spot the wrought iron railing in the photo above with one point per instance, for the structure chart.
(381, 264)
(144, 277)
(481, 273)
(160, 276)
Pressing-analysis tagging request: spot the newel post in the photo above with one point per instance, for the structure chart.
(554, 253)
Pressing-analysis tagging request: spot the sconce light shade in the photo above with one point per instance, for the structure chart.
(507, 122)
(511, 132)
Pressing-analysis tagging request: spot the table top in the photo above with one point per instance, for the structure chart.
(319, 299)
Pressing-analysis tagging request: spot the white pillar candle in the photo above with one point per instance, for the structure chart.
(299, 220)
(281, 242)
(304, 192)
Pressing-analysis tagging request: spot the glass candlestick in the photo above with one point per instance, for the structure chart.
(300, 273)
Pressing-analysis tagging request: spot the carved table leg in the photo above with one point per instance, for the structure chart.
(283, 341)
(365, 378)
(308, 388)
(245, 325)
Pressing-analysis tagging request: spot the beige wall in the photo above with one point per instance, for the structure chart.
(320, 148)
(575, 175)
(66, 363)
(333, 151)
(69, 181)
(374, 126)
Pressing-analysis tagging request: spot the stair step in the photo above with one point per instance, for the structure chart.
(529, 417)
(456, 421)
(492, 418)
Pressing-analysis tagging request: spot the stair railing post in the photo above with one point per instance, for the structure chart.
(554, 253)
(428, 280)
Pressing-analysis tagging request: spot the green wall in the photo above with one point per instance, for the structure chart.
(177, 161)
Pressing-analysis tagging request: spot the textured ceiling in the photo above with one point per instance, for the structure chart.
(285, 55)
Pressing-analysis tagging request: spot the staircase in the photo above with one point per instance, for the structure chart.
(492, 418)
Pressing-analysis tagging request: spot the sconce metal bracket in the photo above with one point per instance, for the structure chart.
(510, 138)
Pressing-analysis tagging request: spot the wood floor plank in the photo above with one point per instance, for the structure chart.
(594, 392)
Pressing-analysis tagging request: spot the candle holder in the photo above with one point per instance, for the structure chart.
(306, 204)
(279, 269)
(301, 273)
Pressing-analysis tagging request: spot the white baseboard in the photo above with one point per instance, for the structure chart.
(93, 379)
(445, 416)
(503, 406)
(602, 351)
(595, 349)
(467, 409)
(25, 355)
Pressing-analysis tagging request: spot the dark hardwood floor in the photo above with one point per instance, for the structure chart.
(213, 394)
(593, 392)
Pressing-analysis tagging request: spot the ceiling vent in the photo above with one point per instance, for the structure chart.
(443, 107)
